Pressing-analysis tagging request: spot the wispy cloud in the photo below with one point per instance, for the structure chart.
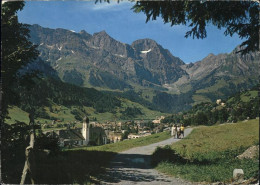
(112, 6)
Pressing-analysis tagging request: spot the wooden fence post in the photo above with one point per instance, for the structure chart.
(29, 161)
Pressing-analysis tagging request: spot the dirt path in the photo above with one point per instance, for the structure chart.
(133, 167)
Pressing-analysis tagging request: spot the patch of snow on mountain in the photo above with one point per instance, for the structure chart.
(50, 46)
(120, 55)
(146, 51)
(94, 47)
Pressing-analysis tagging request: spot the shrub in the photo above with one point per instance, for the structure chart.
(165, 153)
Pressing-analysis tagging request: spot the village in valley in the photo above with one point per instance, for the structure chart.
(95, 133)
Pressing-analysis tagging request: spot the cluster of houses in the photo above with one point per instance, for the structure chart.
(93, 133)
(158, 119)
(219, 102)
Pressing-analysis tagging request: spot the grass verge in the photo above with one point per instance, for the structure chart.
(209, 153)
(128, 144)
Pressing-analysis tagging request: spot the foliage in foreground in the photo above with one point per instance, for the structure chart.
(16, 50)
(64, 168)
(14, 140)
(209, 153)
(72, 167)
(54, 168)
(241, 17)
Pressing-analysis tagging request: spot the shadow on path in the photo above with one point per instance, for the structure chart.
(131, 167)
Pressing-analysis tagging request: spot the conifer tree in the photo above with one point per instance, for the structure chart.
(240, 17)
(17, 51)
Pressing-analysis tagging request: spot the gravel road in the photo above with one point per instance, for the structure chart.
(133, 167)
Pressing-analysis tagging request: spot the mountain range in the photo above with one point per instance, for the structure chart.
(145, 68)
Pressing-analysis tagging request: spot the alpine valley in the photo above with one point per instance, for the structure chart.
(143, 72)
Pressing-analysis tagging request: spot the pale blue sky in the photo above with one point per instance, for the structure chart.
(121, 23)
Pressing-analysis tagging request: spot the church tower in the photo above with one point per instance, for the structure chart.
(85, 130)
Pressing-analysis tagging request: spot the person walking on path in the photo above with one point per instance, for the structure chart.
(175, 128)
(182, 130)
(178, 131)
(173, 131)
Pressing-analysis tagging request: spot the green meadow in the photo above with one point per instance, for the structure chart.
(209, 153)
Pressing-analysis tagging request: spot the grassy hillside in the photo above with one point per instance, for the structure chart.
(240, 106)
(65, 114)
(51, 99)
(244, 97)
(15, 113)
(209, 153)
(221, 137)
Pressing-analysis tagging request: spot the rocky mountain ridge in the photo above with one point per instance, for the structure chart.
(100, 61)
(143, 62)
(232, 68)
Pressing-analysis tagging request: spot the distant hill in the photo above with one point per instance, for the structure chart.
(52, 99)
(239, 107)
(152, 73)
